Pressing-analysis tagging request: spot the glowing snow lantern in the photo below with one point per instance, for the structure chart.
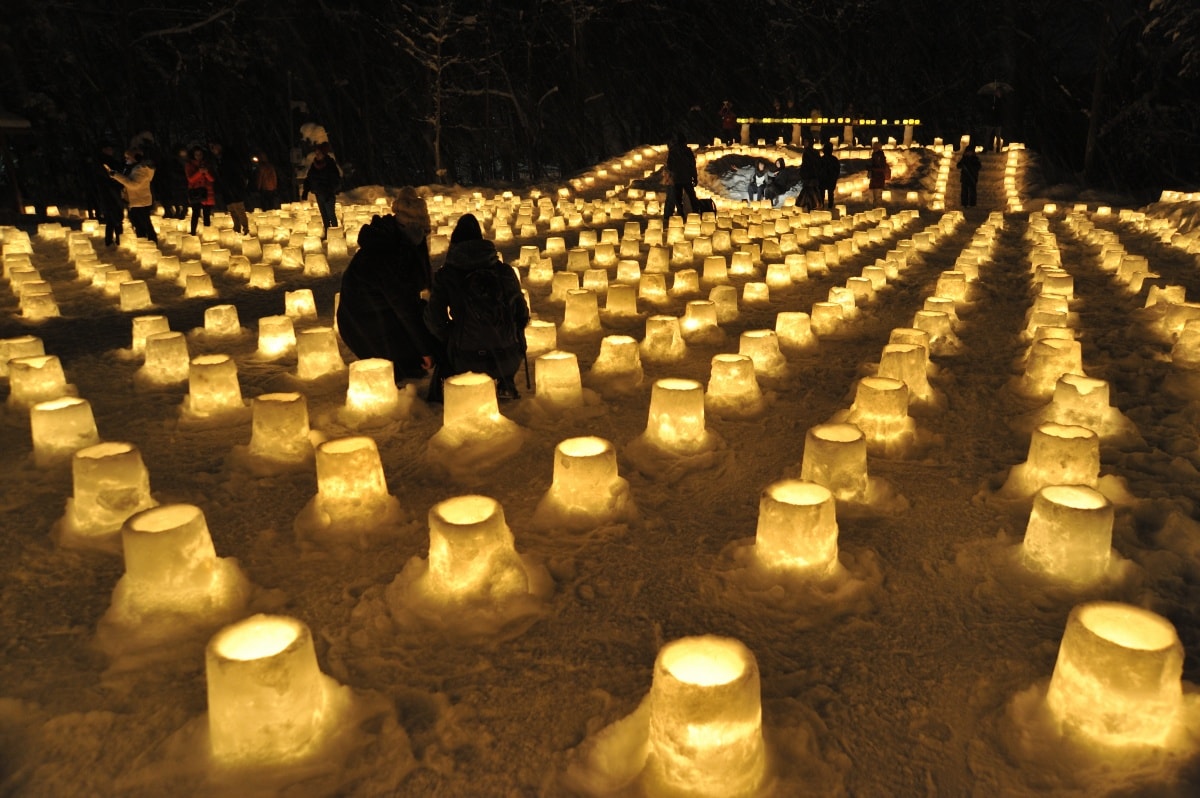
(199, 285)
(797, 528)
(300, 304)
(939, 328)
(699, 323)
(1118, 676)
(1185, 354)
(276, 336)
(471, 553)
(540, 337)
(39, 305)
(110, 483)
(60, 427)
(221, 321)
(372, 390)
(676, 417)
(619, 364)
(621, 301)
(715, 271)
(1049, 359)
(561, 284)
(1069, 535)
(908, 363)
(653, 288)
(21, 346)
(213, 387)
(725, 297)
(317, 353)
(352, 494)
(629, 272)
(1081, 401)
(557, 379)
(39, 378)
(586, 490)
(279, 430)
(596, 280)
(581, 315)
(762, 347)
(880, 410)
(664, 340)
(826, 318)
(835, 455)
(113, 279)
(686, 282)
(794, 331)
(755, 293)
(1059, 454)
(705, 729)
(167, 268)
(268, 702)
(733, 387)
(135, 295)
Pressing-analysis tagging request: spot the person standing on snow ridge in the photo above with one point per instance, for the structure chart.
(680, 177)
(138, 193)
(969, 167)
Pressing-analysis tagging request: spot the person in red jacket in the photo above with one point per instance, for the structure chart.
(200, 187)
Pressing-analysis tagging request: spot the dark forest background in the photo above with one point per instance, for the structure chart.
(497, 91)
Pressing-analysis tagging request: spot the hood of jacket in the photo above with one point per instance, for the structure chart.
(470, 255)
(384, 234)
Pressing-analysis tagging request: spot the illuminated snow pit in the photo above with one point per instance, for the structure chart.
(473, 571)
(797, 528)
(586, 491)
(1118, 677)
(60, 427)
(1049, 360)
(474, 436)
(1059, 454)
(880, 411)
(762, 347)
(352, 498)
(109, 484)
(699, 323)
(372, 394)
(38, 378)
(618, 367)
(213, 389)
(1069, 535)
(581, 315)
(794, 331)
(268, 702)
(174, 583)
(663, 342)
(733, 390)
(705, 720)
(276, 336)
(317, 354)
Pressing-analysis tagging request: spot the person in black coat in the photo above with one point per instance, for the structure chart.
(495, 345)
(969, 167)
(112, 203)
(381, 311)
(323, 181)
(829, 169)
(680, 177)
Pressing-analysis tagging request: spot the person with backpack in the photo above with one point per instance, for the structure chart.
(381, 311)
(476, 309)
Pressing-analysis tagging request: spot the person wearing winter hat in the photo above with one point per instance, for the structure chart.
(381, 310)
(476, 309)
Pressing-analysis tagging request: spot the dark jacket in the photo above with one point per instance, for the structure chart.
(970, 165)
(323, 178)
(447, 299)
(829, 169)
(231, 177)
(681, 164)
(380, 312)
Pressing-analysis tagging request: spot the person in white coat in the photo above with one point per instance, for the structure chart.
(136, 180)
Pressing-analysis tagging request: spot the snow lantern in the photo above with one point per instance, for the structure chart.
(471, 552)
(952, 285)
(21, 346)
(317, 353)
(733, 387)
(60, 427)
(826, 318)
(629, 272)
(705, 726)
(279, 429)
(779, 276)
(316, 265)
(267, 697)
(470, 410)
(944, 305)
(586, 490)
(166, 361)
(1185, 354)
(276, 336)
(794, 331)
(653, 288)
(676, 417)
(560, 284)
(262, 275)
(300, 304)
(619, 363)
(699, 321)
(581, 314)
(754, 293)
(797, 528)
(199, 285)
(1081, 401)
(38, 378)
(880, 410)
(714, 271)
(1059, 454)
(213, 387)
(621, 300)
(663, 342)
(135, 295)
(557, 381)
(596, 280)
(725, 297)
(762, 347)
(835, 455)
(109, 484)
(352, 493)
(685, 283)
(741, 263)
(221, 321)
(1069, 535)
(1049, 359)
(1118, 677)
(143, 327)
(372, 388)
(579, 259)
(907, 363)
(540, 337)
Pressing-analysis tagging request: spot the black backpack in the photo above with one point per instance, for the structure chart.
(488, 321)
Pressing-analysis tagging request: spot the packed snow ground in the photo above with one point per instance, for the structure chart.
(919, 669)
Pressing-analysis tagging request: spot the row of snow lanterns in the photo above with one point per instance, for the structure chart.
(35, 295)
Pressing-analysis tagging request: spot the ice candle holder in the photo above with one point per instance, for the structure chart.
(279, 429)
(317, 353)
(664, 340)
(797, 528)
(586, 490)
(351, 490)
(472, 556)
(581, 314)
(166, 361)
(705, 726)
(676, 417)
(60, 427)
(276, 336)
(1118, 677)
(762, 347)
(835, 456)
(38, 378)
(213, 387)
(880, 411)
(109, 484)
(733, 387)
(619, 363)
(1069, 535)
(557, 380)
(372, 388)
